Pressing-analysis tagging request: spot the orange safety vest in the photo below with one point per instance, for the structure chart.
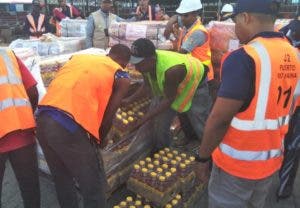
(33, 27)
(252, 147)
(202, 52)
(15, 108)
(82, 89)
(138, 12)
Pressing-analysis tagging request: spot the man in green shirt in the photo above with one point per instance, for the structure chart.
(176, 80)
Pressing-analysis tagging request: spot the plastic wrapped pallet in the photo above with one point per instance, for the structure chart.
(73, 27)
(223, 39)
(127, 32)
(31, 61)
(51, 64)
(51, 45)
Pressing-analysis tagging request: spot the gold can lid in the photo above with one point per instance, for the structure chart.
(168, 206)
(117, 206)
(156, 162)
(124, 114)
(132, 206)
(153, 174)
(165, 166)
(123, 203)
(150, 166)
(165, 159)
(138, 203)
(156, 156)
(142, 163)
(173, 162)
(166, 149)
(129, 199)
(125, 121)
(178, 158)
(192, 158)
(168, 174)
(119, 117)
(162, 178)
(178, 197)
(130, 119)
(173, 170)
(159, 170)
(144, 170)
(170, 155)
(187, 162)
(147, 206)
(182, 165)
(174, 202)
(175, 152)
(183, 155)
(136, 167)
(161, 152)
(148, 159)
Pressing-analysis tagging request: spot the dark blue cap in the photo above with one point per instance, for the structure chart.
(256, 6)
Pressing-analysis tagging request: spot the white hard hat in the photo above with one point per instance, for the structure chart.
(187, 6)
(227, 8)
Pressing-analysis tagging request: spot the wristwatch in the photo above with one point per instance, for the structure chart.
(200, 159)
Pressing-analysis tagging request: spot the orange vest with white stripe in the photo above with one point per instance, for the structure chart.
(15, 108)
(202, 52)
(252, 147)
(82, 89)
(33, 28)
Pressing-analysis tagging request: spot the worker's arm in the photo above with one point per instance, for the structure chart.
(120, 89)
(196, 39)
(29, 84)
(90, 32)
(174, 77)
(217, 124)
(169, 27)
(143, 90)
(27, 28)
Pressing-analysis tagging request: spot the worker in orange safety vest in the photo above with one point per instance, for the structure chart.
(36, 23)
(18, 100)
(245, 131)
(74, 118)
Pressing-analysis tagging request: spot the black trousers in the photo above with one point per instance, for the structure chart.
(72, 155)
(24, 164)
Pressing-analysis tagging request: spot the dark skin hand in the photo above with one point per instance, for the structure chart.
(215, 129)
(173, 78)
(33, 96)
(169, 27)
(120, 89)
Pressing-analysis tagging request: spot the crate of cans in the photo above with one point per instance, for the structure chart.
(160, 178)
(140, 202)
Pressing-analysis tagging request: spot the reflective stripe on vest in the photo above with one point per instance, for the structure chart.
(250, 155)
(15, 107)
(187, 88)
(192, 70)
(202, 52)
(11, 78)
(252, 146)
(9, 102)
(260, 122)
